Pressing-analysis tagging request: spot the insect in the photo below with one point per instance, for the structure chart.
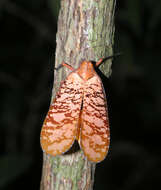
(79, 112)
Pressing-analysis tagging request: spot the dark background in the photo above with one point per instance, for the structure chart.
(27, 49)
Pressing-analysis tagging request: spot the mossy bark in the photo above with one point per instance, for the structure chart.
(85, 32)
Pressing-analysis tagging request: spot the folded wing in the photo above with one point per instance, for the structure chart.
(95, 134)
(60, 126)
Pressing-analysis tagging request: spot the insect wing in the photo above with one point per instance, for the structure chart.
(60, 126)
(95, 134)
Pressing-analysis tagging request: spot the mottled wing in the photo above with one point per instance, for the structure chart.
(95, 134)
(60, 126)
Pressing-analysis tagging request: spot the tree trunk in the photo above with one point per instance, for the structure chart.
(85, 32)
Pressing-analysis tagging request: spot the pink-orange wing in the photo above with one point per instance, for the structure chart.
(95, 134)
(60, 126)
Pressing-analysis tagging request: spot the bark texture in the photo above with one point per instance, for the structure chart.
(85, 32)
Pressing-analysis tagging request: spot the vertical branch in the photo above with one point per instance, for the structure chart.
(85, 31)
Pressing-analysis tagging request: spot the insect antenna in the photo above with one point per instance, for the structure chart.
(65, 65)
(57, 68)
(106, 58)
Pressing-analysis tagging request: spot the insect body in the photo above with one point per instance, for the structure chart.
(79, 111)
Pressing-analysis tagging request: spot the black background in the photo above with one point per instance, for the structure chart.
(27, 49)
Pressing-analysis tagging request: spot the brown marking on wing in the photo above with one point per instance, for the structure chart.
(95, 133)
(60, 126)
